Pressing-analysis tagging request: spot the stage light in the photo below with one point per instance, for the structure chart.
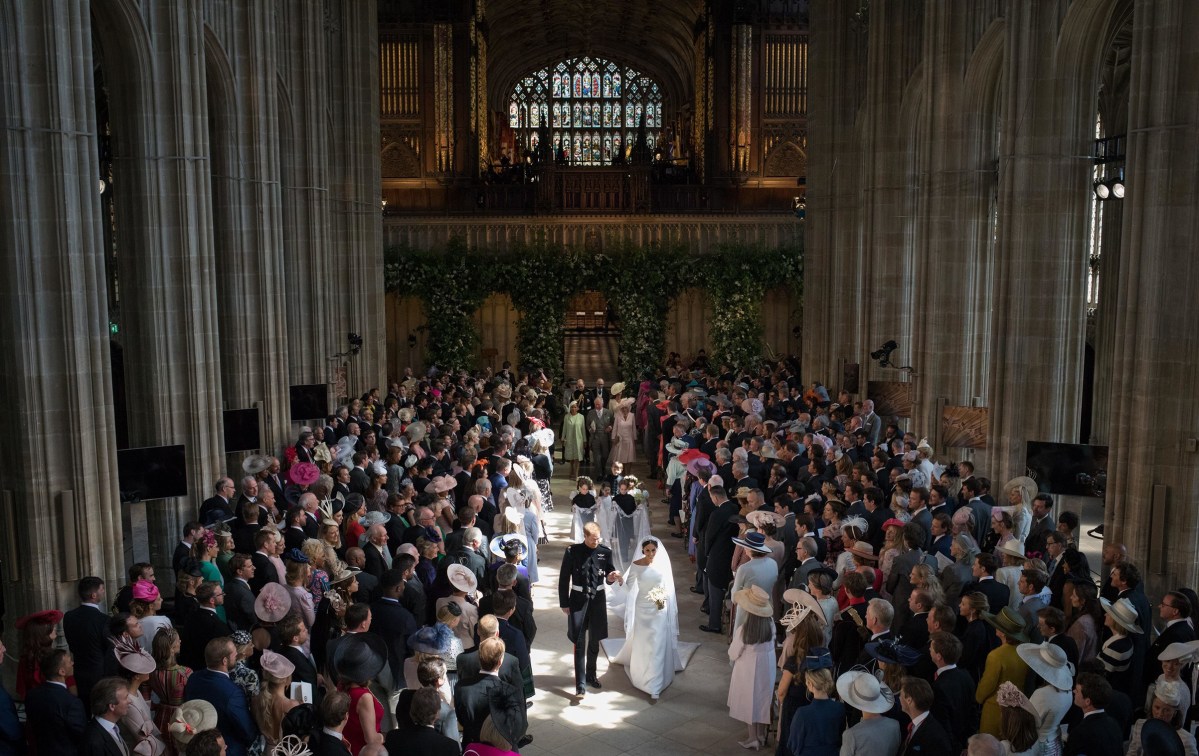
(1118, 187)
(1102, 191)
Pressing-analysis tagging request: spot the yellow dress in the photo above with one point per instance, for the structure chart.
(1003, 665)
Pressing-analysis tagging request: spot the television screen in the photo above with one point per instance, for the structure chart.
(1068, 469)
(242, 432)
(152, 472)
(309, 402)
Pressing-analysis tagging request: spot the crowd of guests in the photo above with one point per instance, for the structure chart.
(879, 602)
(368, 591)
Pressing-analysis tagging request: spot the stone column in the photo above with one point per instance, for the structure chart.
(54, 340)
(1154, 416)
(244, 127)
(1040, 268)
(833, 260)
(356, 192)
(161, 177)
(305, 141)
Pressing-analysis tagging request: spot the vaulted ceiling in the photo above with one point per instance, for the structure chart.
(653, 36)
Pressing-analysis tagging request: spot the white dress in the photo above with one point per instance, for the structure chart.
(751, 686)
(650, 651)
(625, 532)
(1052, 705)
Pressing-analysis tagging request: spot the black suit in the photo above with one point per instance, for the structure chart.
(239, 605)
(182, 551)
(55, 719)
(1096, 735)
(718, 545)
(996, 592)
(1067, 644)
(305, 671)
(375, 564)
(244, 534)
(368, 586)
(326, 745)
(929, 739)
(420, 741)
(202, 626)
(216, 509)
(914, 632)
(522, 618)
(99, 742)
(394, 624)
(264, 572)
(954, 707)
(86, 628)
(472, 704)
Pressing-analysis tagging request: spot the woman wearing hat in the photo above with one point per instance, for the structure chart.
(804, 623)
(1119, 652)
(1054, 697)
(1003, 665)
(189, 720)
(1172, 659)
(272, 703)
(752, 655)
(876, 734)
(138, 727)
(573, 438)
(815, 729)
(299, 573)
(541, 457)
(463, 583)
(1166, 706)
(38, 631)
(358, 659)
(1017, 723)
(144, 605)
(894, 659)
(624, 432)
(169, 677)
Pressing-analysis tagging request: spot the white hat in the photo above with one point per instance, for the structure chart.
(1181, 651)
(1048, 661)
(1013, 548)
(1123, 612)
(462, 578)
(512, 516)
(864, 692)
(754, 600)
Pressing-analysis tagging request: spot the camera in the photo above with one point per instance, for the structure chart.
(883, 353)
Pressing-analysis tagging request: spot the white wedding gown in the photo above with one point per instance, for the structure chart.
(650, 651)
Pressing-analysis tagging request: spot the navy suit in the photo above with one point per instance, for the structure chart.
(233, 712)
(394, 624)
(56, 720)
(514, 642)
(98, 741)
(12, 739)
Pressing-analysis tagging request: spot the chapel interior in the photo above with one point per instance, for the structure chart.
(203, 198)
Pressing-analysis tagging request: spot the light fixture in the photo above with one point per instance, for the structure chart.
(1118, 185)
(1102, 190)
(103, 185)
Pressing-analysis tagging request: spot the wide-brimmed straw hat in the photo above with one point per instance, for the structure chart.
(1048, 661)
(863, 550)
(1013, 548)
(441, 484)
(754, 600)
(760, 517)
(497, 544)
(1123, 612)
(864, 692)
(1009, 622)
(1025, 483)
(462, 578)
(256, 463)
(273, 603)
(753, 542)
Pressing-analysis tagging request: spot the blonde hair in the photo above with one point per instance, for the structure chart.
(314, 550)
(932, 584)
(821, 680)
(492, 737)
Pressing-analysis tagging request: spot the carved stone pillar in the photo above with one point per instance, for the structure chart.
(1154, 415)
(54, 337)
(741, 85)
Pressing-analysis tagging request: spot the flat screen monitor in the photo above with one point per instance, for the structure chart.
(242, 430)
(309, 402)
(152, 472)
(1068, 469)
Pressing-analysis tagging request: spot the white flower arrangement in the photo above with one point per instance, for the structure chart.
(658, 596)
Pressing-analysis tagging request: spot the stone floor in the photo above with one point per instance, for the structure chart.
(691, 716)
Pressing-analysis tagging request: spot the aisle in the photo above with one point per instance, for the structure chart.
(691, 716)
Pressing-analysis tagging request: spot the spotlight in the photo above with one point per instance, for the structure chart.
(1118, 188)
(1102, 190)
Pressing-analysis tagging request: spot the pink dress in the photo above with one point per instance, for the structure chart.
(751, 689)
(624, 438)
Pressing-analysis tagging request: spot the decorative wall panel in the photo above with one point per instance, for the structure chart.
(965, 427)
(891, 398)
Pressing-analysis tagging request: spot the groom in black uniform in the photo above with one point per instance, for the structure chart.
(586, 568)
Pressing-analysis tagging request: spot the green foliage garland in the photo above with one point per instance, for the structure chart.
(639, 282)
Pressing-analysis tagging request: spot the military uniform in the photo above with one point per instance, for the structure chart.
(581, 584)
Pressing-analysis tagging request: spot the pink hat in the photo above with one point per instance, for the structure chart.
(144, 590)
(304, 473)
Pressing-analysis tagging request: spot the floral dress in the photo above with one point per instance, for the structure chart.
(167, 686)
(318, 585)
(246, 679)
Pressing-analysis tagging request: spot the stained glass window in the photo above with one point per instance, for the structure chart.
(595, 107)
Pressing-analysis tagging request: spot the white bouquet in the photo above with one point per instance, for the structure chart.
(658, 596)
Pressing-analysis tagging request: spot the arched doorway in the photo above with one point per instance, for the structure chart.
(591, 347)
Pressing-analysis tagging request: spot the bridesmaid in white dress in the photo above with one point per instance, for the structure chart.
(650, 651)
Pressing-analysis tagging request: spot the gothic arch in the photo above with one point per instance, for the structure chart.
(1078, 61)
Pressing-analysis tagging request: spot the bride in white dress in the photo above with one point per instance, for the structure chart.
(650, 651)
